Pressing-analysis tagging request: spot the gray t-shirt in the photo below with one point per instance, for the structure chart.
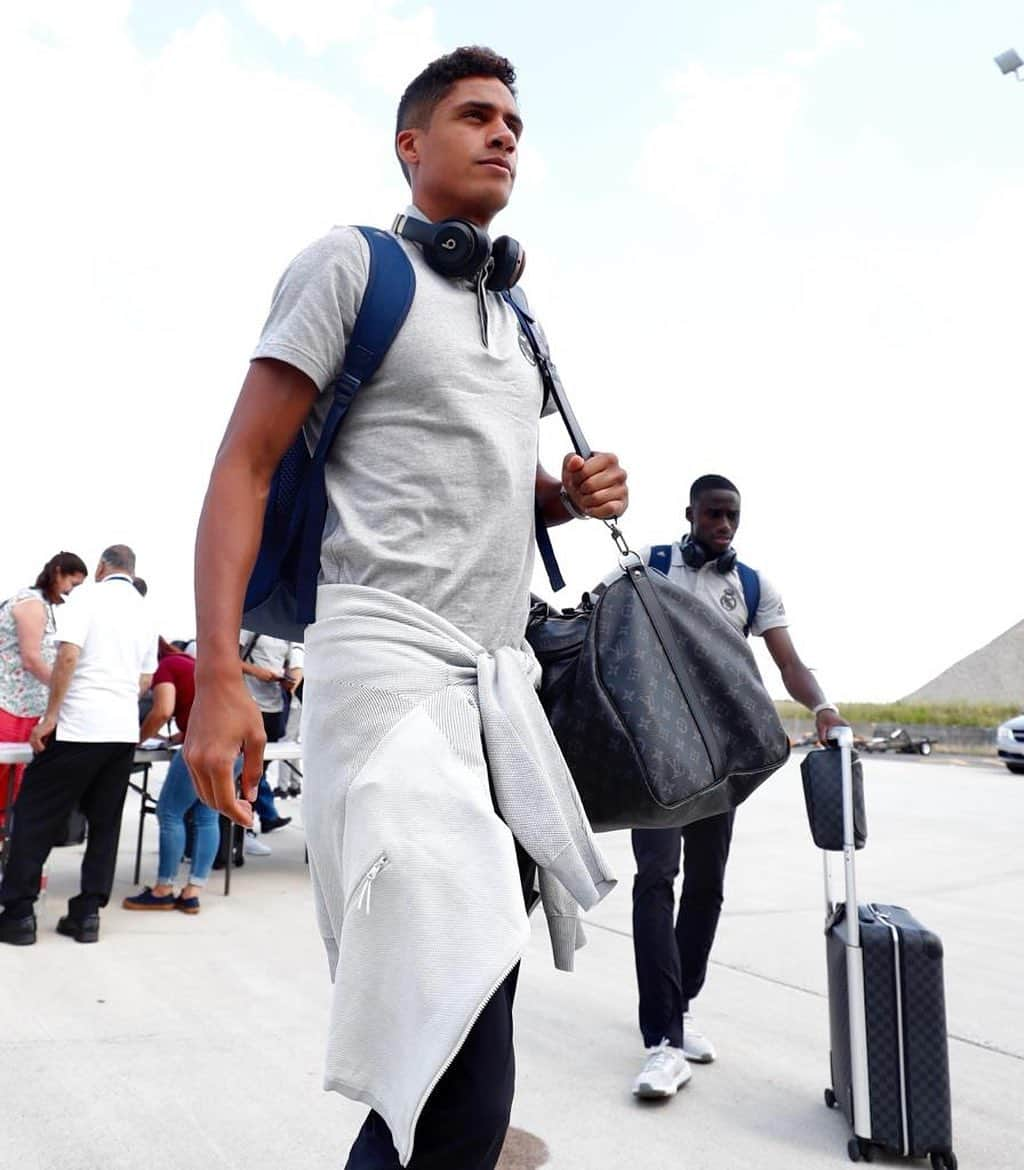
(276, 655)
(430, 482)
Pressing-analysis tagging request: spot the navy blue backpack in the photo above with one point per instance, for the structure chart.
(281, 597)
(660, 558)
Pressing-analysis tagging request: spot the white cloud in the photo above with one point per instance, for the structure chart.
(160, 197)
(832, 34)
(724, 146)
(390, 49)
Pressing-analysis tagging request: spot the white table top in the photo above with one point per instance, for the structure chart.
(285, 749)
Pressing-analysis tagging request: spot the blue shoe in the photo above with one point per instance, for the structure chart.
(147, 900)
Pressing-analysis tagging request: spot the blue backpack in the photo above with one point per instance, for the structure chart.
(281, 596)
(660, 558)
(280, 599)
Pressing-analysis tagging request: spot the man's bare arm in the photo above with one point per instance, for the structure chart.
(161, 711)
(799, 681)
(273, 404)
(63, 671)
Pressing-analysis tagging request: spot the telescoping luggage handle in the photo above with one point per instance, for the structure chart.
(843, 738)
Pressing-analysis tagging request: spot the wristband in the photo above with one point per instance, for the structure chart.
(569, 506)
(816, 711)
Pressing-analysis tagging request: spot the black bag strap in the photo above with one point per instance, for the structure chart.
(554, 390)
(250, 647)
(635, 571)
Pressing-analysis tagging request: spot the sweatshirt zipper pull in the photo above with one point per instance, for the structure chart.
(365, 886)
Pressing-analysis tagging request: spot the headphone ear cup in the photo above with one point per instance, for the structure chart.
(459, 248)
(727, 561)
(693, 554)
(509, 260)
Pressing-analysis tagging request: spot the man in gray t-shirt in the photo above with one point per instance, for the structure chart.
(431, 489)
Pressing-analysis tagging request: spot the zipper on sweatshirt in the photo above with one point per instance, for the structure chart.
(363, 891)
(461, 1040)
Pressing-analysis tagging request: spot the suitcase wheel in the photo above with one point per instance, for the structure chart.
(944, 1161)
(860, 1150)
(830, 1099)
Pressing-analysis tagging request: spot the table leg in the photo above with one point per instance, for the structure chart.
(232, 830)
(143, 797)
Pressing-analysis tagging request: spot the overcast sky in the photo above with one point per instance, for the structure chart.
(782, 242)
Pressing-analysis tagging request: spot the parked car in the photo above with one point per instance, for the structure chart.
(1010, 744)
(898, 739)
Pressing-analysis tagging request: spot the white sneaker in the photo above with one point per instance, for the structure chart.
(254, 847)
(696, 1046)
(665, 1070)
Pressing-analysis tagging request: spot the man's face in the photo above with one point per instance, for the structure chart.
(463, 164)
(714, 519)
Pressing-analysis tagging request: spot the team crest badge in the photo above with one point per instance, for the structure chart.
(729, 599)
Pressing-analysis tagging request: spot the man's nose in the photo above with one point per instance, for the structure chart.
(502, 138)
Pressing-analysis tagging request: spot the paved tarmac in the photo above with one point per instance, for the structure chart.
(183, 1043)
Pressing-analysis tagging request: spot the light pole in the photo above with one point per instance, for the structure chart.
(1010, 62)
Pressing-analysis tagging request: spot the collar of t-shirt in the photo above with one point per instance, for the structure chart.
(115, 577)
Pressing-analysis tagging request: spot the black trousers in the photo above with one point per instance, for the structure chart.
(672, 957)
(93, 776)
(464, 1122)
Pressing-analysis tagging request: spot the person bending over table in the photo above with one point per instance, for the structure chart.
(174, 689)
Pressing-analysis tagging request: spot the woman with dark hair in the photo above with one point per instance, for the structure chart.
(27, 652)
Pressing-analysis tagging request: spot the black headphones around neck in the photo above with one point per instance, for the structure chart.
(458, 248)
(695, 556)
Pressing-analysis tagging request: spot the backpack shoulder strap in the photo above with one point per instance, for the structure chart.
(390, 287)
(250, 647)
(751, 584)
(660, 558)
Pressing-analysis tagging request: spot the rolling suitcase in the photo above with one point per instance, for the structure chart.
(887, 1015)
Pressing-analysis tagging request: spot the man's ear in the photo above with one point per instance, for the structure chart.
(689, 514)
(407, 146)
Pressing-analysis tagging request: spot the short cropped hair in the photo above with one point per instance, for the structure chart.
(432, 85)
(711, 483)
(119, 556)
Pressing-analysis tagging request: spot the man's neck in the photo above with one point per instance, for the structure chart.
(437, 210)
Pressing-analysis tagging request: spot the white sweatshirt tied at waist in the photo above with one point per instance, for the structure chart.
(395, 644)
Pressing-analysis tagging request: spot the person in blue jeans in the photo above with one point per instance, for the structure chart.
(173, 693)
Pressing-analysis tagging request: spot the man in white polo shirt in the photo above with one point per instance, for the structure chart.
(672, 952)
(84, 745)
